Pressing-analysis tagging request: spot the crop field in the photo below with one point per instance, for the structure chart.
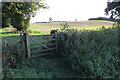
(87, 59)
(46, 27)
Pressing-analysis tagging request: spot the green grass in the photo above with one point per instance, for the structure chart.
(31, 68)
(89, 28)
(3, 30)
(10, 29)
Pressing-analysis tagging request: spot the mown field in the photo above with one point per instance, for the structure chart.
(46, 27)
(99, 51)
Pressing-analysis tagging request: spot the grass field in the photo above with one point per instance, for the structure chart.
(46, 27)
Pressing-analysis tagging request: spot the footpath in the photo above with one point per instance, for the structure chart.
(59, 68)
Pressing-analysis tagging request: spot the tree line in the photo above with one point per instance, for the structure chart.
(101, 18)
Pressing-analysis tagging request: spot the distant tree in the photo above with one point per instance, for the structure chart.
(114, 8)
(50, 19)
(75, 19)
(18, 14)
(101, 18)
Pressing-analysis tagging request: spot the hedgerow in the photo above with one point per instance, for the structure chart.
(91, 53)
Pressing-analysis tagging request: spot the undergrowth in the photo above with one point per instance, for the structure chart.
(30, 68)
(91, 53)
(16, 65)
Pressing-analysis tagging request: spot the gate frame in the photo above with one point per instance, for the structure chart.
(25, 40)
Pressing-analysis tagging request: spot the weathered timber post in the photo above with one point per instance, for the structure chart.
(56, 41)
(25, 41)
(54, 36)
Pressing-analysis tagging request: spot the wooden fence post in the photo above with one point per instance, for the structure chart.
(25, 41)
(56, 41)
(54, 34)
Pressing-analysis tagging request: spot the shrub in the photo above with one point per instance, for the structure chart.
(28, 31)
(31, 68)
(16, 65)
(13, 54)
(91, 53)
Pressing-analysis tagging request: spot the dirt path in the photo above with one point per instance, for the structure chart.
(60, 70)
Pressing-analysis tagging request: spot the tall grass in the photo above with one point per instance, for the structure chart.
(91, 53)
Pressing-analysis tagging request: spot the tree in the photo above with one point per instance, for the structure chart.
(50, 19)
(0, 15)
(75, 19)
(114, 8)
(18, 14)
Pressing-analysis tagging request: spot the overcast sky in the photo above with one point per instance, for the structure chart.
(69, 10)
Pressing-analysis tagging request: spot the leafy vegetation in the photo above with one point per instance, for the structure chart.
(31, 68)
(114, 8)
(18, 14)
(91, 53)
(15, 63)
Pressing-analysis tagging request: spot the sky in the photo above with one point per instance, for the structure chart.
(69, 10)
